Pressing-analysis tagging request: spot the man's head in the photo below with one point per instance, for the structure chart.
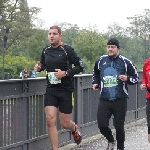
(113, 47)
(54, 35)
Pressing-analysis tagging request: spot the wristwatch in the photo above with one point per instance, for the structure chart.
(67, 73)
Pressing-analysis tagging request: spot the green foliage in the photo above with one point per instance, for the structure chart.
(18, 28)
(140, 29)
(133, 50)
(34, 44)
(15, 64)
(69, 31)
(17, 20)
(41, 74)
(25, 42)
(88, 66)
(89, 44)
(131, 46)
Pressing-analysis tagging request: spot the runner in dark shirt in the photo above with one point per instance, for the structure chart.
(57, 60)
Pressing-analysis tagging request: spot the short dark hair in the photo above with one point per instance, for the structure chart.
(56, 27)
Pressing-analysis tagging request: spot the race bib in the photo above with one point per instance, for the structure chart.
(52, 78)
(110, 81)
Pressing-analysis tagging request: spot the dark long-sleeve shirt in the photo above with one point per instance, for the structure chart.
(61, 58)
(106, 72)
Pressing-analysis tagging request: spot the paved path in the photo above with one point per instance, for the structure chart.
(136, 139)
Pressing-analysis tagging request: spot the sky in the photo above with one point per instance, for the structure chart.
(85, 13)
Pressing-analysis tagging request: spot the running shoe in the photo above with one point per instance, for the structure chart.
(111, 145)
(77, 135)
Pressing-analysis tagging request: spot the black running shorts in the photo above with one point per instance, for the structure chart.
(64, 100)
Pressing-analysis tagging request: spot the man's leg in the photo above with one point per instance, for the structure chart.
(65, 108)
(120, 109)
(148, 117)
(103, 115)
(66, 122)
(51, 116)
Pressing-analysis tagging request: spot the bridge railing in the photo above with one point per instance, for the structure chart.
(22, 119)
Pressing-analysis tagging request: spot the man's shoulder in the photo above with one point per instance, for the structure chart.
(46, 47)
(68, 49)
(147, 63)
(104, 57)
(124, 58)
(66, 46)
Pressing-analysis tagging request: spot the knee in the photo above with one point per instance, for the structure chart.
(50, 121)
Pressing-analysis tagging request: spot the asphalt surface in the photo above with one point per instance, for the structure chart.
(136, 139)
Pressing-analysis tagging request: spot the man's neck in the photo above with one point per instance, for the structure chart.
(55, 46)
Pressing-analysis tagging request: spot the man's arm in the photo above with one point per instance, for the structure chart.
(40, 66)
(73, 59)
(144, 77)
(96, 76)
(143, 86)
(132, 74)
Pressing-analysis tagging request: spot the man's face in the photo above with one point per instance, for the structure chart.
(54, 37)
(112, 50)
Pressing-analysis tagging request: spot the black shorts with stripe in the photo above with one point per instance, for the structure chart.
(61, 99)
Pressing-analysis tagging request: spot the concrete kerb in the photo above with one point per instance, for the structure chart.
(98, 136)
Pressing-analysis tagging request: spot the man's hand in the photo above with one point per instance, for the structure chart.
(122, 77)
(37, 67)
(143, 86)
(95, 87)
(59, 74)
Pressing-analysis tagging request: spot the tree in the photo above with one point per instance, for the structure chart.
(17, 23)
(15, 64)
(89, 44)
(69, 31)
(17, 20)
(140, 28)
(35, 44)
(115, 30)
(133, 50)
